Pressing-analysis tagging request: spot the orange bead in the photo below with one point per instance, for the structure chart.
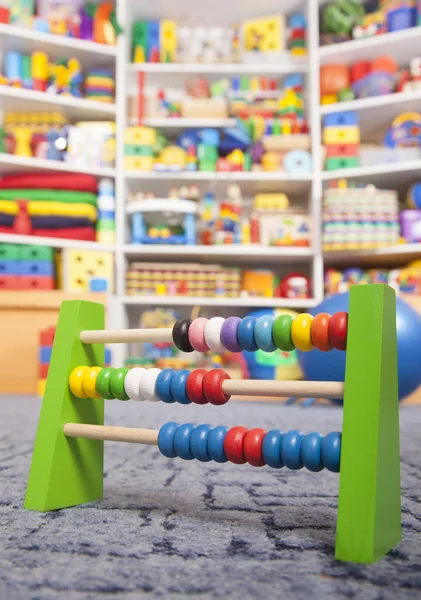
(338, 330)
(320, 332)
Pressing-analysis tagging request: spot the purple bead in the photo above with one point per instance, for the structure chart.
(229, 334)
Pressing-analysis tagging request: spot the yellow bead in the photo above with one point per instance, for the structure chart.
(300, 332)
(89, 382)
(75, 381)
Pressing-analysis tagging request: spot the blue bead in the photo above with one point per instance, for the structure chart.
(245, 334)
(311, 452)
(216, 444)
(182, 441)
(271, 448)
(331, 451)
(163, 386)
(263, 333)
(178, 386)
(199, 442)
(291, 449)
(166, 439)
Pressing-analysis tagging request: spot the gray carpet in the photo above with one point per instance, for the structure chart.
(180, 529)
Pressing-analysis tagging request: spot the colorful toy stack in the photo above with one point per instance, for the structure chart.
(341, 137)
(26, 267)
(46, 340)
(297, 25)
(91, 144)
(100, 85)
(105, 226)
(54, 206)
(359, 218)
(139, 147)
(33, 134)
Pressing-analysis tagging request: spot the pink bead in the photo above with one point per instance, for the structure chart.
(197, 334)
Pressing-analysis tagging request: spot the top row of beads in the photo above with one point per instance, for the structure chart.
(267, 333)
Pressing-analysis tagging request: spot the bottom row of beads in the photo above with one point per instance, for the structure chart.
(240, 445)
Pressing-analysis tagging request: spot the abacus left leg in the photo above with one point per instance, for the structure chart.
(65, 472)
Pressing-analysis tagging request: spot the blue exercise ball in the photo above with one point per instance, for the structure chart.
(330, 366)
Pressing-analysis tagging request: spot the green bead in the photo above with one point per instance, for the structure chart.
(281, 333)
(117, 383)
(103, 383)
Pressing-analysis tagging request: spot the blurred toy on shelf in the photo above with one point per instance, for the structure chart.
(277, 224)
(157, 318)
(248, 41)
(342, 20)
(86, 271)
(91, 144)
(259, 283)
(183, 279)
(413, 197)
(47, 135)
(162, 220)
(26, 267)
(94, 21)
(359, 217)
(100, 85)
(105, 225)
(405, 131)
(294, 285)
(405, 280)
(341, 139)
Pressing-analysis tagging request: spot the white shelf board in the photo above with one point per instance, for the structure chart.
(377, 174)
(226, 254)
(400, 44)
(10, 163)
(218, 302)
(181, 123)
(18, 99)
(220, 176)
(25, 40)
(219, 68)
(388, 255)
(377, 113)
(11, 238)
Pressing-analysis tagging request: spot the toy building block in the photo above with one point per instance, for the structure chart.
(35, 267)
(139, 41)
(144, 136)
(29, 282)
(66, 472)
(341, 135)
(168, 41)
(153, 41)
(342, 150)
(265, 35)
(138, 163)
(138, 150)
(46, 336)
(341, 119)
(37, 253)
(10, 252)
(369, 508)
(9, 282)
(80, 266)
(9, 267)
(344, 162)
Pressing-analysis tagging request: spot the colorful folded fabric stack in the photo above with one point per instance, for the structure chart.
(100, 85)
(49, 206)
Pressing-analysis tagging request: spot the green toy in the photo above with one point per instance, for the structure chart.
(67, 464)
(341, 16)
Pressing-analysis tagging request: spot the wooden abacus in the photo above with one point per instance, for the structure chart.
(67, 464)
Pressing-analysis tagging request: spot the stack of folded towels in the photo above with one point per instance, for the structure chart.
(58, 205)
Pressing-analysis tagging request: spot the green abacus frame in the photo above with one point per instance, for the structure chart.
(69, 471)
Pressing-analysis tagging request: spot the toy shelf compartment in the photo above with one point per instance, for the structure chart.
(27, 41)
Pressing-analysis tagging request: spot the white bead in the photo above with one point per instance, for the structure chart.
(147, 384)
(132, 383)
(213, 334)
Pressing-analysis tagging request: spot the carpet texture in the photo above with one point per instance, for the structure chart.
(184, 529)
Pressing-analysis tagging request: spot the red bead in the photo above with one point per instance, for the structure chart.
(234, 444)
(252, 447)
(320, 332)
(212, 386)
(338, 328)
(194, 386)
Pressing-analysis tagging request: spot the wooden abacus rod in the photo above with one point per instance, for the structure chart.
(121, 336)
(295, 389)
(111, 434)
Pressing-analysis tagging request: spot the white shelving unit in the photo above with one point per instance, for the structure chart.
(375, 113)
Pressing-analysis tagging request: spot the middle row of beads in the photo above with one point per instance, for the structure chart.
(167, 385)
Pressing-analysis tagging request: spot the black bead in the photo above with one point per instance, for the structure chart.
(180, 335)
